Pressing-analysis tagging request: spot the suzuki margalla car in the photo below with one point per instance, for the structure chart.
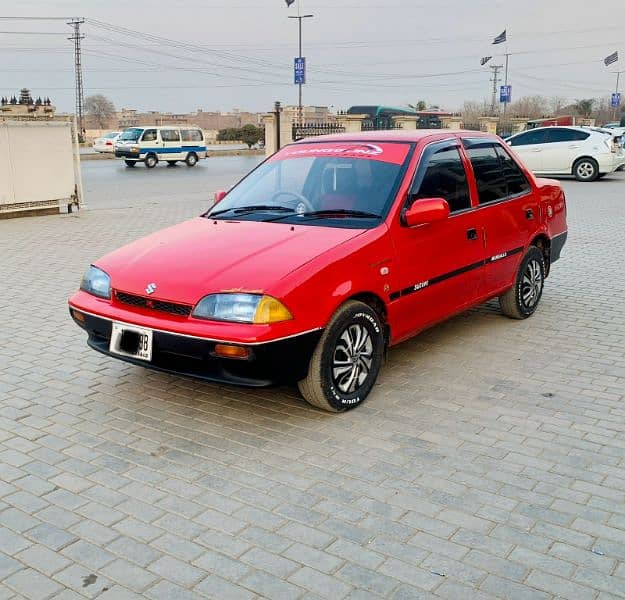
(328, 252)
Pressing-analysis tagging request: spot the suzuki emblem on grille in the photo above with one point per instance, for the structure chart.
(151, 288)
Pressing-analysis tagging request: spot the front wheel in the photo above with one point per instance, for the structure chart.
(151, 161)
(521, 300)
(191, 159)
(347, 359)
(586, 169)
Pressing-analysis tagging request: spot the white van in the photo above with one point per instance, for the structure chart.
(150, 144)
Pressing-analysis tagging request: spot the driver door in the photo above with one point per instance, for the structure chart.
(439, 263)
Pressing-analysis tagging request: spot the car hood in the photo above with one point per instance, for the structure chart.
(203, 256)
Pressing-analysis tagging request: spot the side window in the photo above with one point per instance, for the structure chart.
(197, 135)
(560, 134)
(515, 179)
(170, 135)
(538, 136)
(149, 135)
(489, 176)
(191, 135)
(446, 178)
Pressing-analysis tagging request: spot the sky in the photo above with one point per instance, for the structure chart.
(224, 54)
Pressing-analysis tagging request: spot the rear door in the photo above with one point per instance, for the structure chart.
(439, 263)
(529, 146)
(507, 207)
(562, 147)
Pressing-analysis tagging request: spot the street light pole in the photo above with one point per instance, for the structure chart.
(618, 74)
(299, 17)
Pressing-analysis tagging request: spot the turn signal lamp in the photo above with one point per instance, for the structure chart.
(230, 351)
(270, 310)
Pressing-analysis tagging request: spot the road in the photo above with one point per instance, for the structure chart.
(488, 462)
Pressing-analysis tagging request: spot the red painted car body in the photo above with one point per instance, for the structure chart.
(413, 276)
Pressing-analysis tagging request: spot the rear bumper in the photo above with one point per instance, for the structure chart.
(282, 361)
(608, 163)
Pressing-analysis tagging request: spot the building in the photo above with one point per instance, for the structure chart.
(26, 106)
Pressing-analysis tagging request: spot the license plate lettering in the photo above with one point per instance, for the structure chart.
(127, 340)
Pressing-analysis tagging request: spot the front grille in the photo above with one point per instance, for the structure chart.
(182, 310)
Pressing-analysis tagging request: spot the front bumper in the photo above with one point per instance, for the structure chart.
(269, 363)
(120, 153)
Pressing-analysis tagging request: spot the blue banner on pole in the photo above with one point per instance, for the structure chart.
(505, 94)
(299, 70)
(616, 98)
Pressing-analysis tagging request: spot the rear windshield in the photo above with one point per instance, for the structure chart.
(111, 135)
(131, 135)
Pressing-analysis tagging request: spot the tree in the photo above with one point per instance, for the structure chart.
(231, 134)
(584, 107)
(532, 107)
(419, 106)
(557, 104)
(251, 135)
(100, 109)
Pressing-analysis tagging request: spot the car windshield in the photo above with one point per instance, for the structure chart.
(348, 184)
(111, 135)
(131, 135)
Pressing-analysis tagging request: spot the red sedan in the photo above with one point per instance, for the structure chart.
(331, 250)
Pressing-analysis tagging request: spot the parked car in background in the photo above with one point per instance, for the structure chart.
(106, 143)
(171, 144)
(328, 252)
(579, 151)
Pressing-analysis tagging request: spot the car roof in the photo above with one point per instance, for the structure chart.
(397, 135)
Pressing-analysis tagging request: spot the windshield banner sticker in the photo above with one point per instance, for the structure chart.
(391, 153)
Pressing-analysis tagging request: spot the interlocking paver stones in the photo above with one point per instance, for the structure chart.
(491, 451)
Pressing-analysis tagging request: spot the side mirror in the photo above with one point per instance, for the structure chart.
(426, 210)
(219, 196)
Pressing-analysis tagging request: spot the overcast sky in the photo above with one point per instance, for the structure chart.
(239, 53)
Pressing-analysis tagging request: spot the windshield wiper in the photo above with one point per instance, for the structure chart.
(240, 210)
(341, 212)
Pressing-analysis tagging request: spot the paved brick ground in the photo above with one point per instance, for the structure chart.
(488, 463)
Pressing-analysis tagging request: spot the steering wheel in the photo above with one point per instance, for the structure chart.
(298, 197)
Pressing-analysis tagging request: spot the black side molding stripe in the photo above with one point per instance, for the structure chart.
(476, 265)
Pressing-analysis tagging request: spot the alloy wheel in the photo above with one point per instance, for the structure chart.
(352, 359)
(531, 284)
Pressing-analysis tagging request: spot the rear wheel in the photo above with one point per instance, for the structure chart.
(347, 359)
(130, 163)
(521, 300)
(586, 169)
(191, 159)
(151, 161)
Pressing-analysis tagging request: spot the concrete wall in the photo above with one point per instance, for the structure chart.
(39, 170)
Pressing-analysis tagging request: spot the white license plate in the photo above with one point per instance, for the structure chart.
(128, 340)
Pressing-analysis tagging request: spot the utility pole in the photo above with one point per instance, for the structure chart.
(505, 104)
(299, 17)
(618, 75)
(80, 100)
(495, 79)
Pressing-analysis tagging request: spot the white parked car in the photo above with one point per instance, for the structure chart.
(106, 143)
(582, 152)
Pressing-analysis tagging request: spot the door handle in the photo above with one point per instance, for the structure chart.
(574, 146)
(537, 149)
(529, 214)
(472, 234)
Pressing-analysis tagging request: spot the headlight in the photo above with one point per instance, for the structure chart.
(242, 308)
(135, 149)
(96, 282)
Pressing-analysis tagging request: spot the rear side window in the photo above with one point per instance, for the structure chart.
(558, 134)
(515, 179)
(489, 175)
(446, 178)
(191, 135)
(170, 135)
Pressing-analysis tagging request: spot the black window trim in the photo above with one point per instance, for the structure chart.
(509, 196)
(430, 149)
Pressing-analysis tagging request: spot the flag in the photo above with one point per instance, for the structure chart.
(484, 60)
(289, 2)
(608, 60)
(501, 38)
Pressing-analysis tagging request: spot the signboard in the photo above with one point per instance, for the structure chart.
(505, 94)
(299, 70)
(616, 99)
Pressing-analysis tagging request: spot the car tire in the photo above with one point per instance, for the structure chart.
(151, 161)
(522, 299)
(347, 359)
(191, 159)
(130, 163)
(585, 169)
